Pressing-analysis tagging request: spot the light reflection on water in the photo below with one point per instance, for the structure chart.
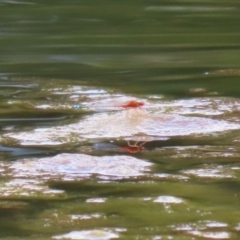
(104, 129)
(75, 164)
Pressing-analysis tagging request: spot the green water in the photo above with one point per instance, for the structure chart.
(180, 57)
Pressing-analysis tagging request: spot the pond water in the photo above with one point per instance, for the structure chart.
(76, 163)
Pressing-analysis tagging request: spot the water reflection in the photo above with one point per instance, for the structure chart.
(205, 229)
(156, 120)
(75, 163)
(189, 9)
(78, 166)
(94, 234)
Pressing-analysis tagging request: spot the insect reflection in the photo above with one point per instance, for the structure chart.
(133, 148)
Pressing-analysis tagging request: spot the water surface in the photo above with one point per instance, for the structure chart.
(75, 164)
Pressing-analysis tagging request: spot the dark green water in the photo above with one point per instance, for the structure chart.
(67, 170)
